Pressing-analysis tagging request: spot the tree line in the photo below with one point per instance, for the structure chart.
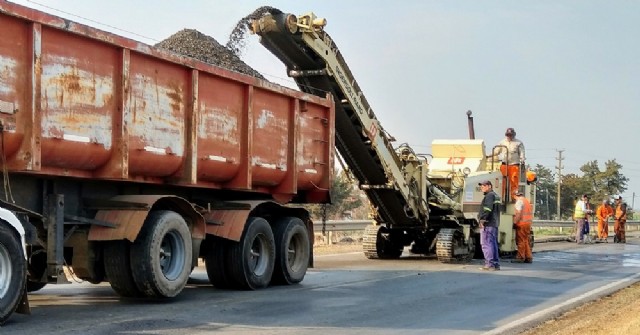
(350, 202)
(598, 184)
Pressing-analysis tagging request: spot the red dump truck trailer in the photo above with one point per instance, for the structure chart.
(126, 163)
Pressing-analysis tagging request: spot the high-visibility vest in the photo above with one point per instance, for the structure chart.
(527, 213)
(619, 212)
(579, 213)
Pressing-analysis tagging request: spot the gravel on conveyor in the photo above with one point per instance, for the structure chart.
(236, 41)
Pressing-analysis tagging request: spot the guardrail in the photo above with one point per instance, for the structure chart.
(355, 225)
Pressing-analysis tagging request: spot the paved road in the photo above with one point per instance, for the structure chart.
(348, 294)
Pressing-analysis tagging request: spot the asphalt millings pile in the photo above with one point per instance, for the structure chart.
(194, 44)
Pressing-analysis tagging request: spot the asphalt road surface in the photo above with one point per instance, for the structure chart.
(348, 294)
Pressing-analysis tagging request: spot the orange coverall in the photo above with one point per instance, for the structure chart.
(603, 213)
(522, 223)
(512, 172)
(621, 220)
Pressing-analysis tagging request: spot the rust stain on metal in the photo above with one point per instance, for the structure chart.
(72, 82)
(78, 79)
(128, 224)
(219, 124)
(229, 224)
(129, 221)
(175, 94)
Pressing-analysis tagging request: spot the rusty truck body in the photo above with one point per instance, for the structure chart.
(127, 163)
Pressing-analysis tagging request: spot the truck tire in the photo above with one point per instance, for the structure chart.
(215, 260)
(251, 261)
(117, 267)
(161, 255)
(292, 251)
(13, 272)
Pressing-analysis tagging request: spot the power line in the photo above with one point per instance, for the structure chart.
(93, 21)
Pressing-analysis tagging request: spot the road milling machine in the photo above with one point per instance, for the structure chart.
(429, 205)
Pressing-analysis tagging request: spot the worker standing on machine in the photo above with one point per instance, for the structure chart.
(511, 151)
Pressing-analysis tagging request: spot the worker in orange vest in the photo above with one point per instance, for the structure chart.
(603, 213)
(511, 151)
(522, 221)
(620, 220)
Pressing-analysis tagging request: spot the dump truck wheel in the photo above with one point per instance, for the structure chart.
(292, 251)
(161, 255)
(251, 261)
(215, 261)
(117, 267)
(13, 272)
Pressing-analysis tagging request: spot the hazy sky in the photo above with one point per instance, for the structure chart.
(564, 74)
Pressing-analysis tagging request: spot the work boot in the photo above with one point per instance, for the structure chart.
(518, 260)
(489, 268)
(528, 260)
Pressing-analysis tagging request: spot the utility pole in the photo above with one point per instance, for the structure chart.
(559, 167)
(548, 213)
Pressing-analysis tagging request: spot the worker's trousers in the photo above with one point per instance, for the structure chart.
(523, 234)
(580, 230)
(603, 229)
(512, 172)
(619, 229)
(489, 242)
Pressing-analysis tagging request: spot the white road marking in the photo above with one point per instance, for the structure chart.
(532, 317)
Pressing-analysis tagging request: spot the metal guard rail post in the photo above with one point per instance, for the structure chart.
(355, 225)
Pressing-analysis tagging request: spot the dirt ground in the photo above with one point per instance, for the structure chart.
(616, 314)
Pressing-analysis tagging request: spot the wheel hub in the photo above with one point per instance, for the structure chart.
(5, 270)
(171, 255)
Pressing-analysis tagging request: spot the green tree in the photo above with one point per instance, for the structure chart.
(572, 188)
(345, 196)
(546, 193)
(594, 182)
(612, 179)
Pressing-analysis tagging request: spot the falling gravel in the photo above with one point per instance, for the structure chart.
(194, 44)
(237, 38)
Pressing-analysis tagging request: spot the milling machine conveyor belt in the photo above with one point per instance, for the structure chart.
(351, 140)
